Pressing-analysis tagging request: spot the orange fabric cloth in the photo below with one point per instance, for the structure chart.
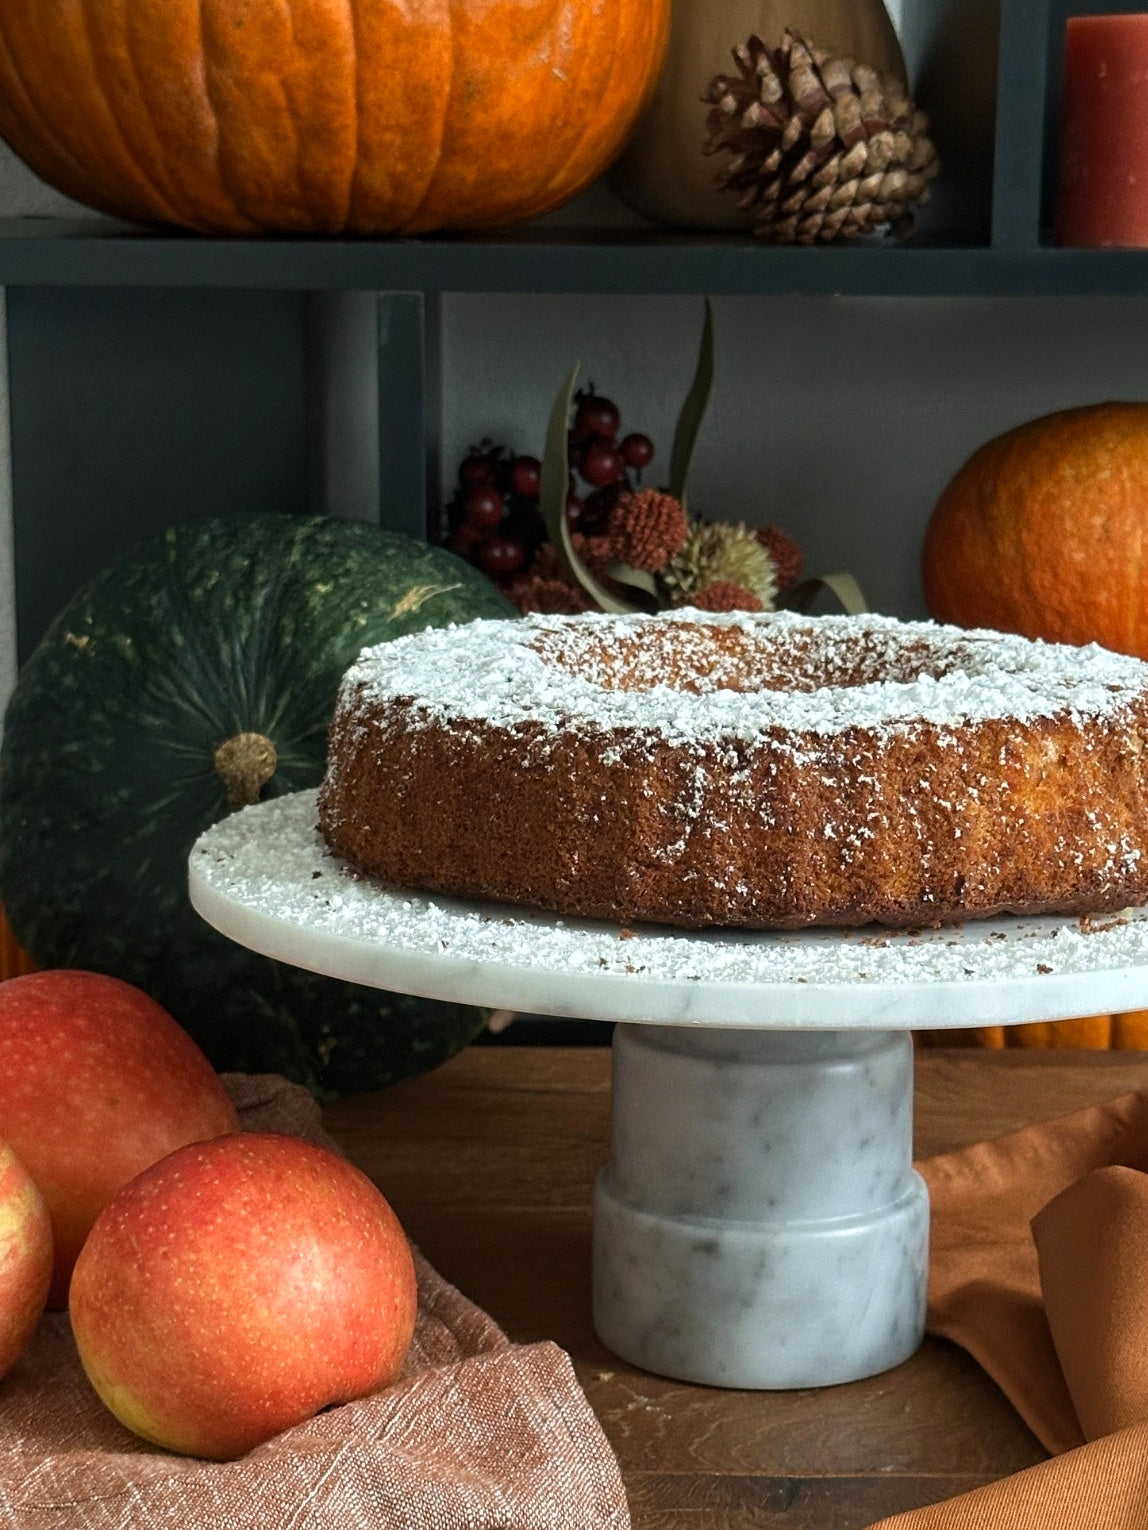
(1038, 1266)
(1102, 1486)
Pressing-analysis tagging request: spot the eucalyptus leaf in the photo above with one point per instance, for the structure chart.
(636, 578)
(693, 411)
(842, 586)
(555, 474)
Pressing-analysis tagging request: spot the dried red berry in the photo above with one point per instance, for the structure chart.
(483, 508)
(600, 464)
(596, 416)
(499, 556)
(637, 450)
(526, 477)
(475, 468)
(463, 540)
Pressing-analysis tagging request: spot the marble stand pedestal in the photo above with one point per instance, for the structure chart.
(759, 1223)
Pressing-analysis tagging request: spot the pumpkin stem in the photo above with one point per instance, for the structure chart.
(245, 763)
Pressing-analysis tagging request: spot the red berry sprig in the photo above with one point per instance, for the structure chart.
(600, 460)
(494, 520)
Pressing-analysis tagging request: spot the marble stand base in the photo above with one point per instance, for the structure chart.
(760, 1223)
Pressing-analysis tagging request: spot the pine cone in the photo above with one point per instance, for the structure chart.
(823, 148)
(724, 595)
(646, 529)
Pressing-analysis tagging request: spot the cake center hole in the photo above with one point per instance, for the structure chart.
(701, 658)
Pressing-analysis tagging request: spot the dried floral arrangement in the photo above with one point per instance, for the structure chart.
(577, 530)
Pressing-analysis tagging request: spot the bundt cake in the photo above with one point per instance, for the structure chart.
(766, 771)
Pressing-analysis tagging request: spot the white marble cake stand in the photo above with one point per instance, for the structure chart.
(759, 1223)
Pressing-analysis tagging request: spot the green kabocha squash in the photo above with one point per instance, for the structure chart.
(197, 673)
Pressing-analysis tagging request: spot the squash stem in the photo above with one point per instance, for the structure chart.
(245, 763)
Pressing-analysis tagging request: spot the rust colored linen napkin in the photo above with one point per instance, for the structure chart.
(1038, 1266)
(477, 1434)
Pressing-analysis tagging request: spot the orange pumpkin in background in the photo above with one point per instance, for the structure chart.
(325, 116)
(1094, 1032)
(1044, 531)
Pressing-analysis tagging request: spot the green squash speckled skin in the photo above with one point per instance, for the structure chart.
(107, 774)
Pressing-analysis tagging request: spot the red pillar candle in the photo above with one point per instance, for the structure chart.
(1103, 174)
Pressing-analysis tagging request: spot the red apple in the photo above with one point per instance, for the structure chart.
(238, 1287)
(98, 1081)
(25, 1257)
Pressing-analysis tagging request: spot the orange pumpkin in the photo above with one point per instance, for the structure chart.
(1094, 1032)
(325, 116)
(1044, 531)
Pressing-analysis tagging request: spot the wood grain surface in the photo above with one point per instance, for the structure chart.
(490, 1161)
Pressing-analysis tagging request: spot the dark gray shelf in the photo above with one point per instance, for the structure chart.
(54, 253)
(576, 255)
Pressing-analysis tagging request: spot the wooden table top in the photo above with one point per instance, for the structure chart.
(489, 1162)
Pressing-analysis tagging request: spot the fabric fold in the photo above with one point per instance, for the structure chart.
(1092, 1250)
(1100, 1486)
(1037, 1266)
(984, 1275)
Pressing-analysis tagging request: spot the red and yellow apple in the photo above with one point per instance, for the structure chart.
(236, 1288)
(98, 1082)
(25, 1257)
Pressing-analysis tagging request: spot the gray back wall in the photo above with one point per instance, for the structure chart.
(838, 419)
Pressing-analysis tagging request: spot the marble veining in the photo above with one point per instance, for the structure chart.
(759, 1223)
(759, 1150)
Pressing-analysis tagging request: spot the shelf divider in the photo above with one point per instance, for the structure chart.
(1020, 124)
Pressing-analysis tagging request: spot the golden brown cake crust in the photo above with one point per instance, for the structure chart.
(761, 771)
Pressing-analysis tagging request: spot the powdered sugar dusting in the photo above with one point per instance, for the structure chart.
(265, 876)
(698, 676)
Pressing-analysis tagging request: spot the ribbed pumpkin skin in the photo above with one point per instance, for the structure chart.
(324, 116)
(1044, 531)
(107, 774)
